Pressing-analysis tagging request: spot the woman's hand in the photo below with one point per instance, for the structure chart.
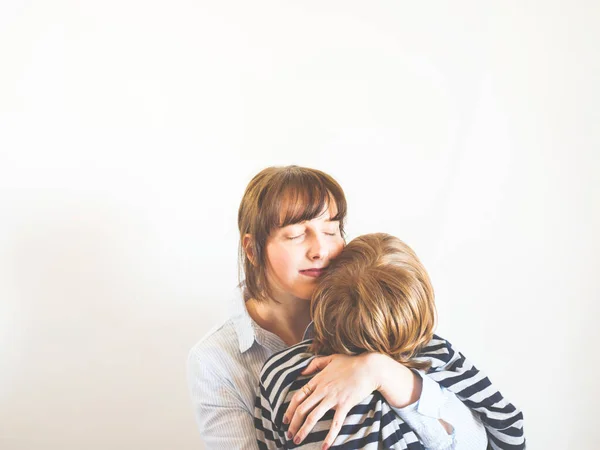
(343, 381)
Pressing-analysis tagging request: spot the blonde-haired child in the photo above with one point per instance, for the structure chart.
(376, 297)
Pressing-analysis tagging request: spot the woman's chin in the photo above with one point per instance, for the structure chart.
(304, 295)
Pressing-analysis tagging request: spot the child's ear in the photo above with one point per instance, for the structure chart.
(248, 246)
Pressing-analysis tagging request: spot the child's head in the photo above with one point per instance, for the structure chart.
(275, 246)
(375, 297)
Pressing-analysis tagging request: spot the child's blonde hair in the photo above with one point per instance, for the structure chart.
(376, 296)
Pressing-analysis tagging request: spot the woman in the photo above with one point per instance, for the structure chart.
(291, 224)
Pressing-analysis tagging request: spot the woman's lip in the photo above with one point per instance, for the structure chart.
(312, 272)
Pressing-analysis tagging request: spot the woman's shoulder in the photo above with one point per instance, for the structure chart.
(224, 336)
(218, 343)
(219, 373)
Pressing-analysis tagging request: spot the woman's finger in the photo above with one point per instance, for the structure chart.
(311, 420)
(303, 409)
(336, 425)
(299, 396)
(318, 363)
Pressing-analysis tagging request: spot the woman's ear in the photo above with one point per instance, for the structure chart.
(248, 245)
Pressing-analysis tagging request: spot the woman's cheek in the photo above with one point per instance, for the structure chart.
(338, 249)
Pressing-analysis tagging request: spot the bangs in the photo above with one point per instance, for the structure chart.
(298, 196)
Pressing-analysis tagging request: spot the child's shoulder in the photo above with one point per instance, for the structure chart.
(439, 351)
(293, 358)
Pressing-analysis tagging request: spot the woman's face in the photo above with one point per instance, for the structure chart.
(298, 254)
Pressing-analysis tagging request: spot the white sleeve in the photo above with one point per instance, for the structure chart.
(439, 403)
(422, 416)
(223, 419)
(469, 432)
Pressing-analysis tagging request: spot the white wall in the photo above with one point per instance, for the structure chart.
(129, 129)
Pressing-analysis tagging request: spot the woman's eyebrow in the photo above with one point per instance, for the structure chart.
(297, 224)
(328, 218)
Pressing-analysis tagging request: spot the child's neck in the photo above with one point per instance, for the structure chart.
(287, 319)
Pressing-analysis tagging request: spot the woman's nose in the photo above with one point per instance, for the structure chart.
(318, 249)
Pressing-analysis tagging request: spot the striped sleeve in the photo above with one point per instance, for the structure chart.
(276, 376)
(502, 420)
(268, 437)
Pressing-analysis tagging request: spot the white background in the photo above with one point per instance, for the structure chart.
(129, 130)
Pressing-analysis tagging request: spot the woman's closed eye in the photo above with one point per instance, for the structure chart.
(291, 238)
(331, 230)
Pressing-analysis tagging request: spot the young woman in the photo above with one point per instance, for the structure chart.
(291, 224)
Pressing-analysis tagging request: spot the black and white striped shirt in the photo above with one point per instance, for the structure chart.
(373, 424)
(223, 374)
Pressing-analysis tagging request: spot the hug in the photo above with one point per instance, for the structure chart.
(332, 344)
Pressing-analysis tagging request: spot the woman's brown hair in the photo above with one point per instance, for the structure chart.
(274, 198)
(376, 296)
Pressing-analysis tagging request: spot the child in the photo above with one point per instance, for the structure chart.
(376, 297)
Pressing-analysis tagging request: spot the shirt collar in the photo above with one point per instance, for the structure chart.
(309, 333)
(248, 331)
(242, 323)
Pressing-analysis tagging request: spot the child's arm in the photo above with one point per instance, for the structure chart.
(268, 436)
(502, 420)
